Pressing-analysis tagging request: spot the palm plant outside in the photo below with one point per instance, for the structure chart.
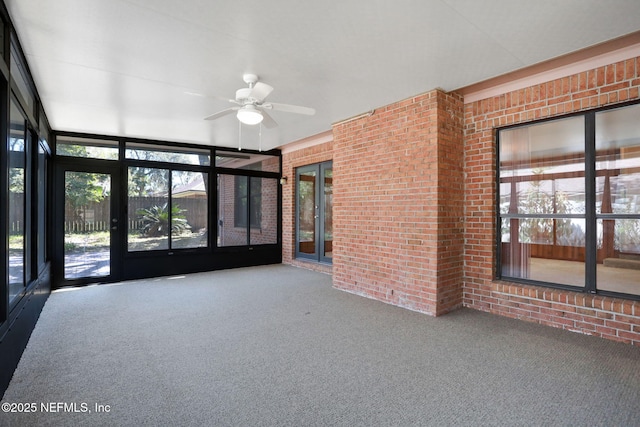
(155, 220)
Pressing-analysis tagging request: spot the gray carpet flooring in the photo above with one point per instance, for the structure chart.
(278, 346)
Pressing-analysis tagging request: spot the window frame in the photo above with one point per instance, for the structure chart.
(26, 202)
(249, 164)
(590, 216)
(170, 168)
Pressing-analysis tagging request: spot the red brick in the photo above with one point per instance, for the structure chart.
(630, 69)
(632, 336)
(614, 87)
(632, 320)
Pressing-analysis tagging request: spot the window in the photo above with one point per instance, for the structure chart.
(88, 148)
(170, 154)
(168, 209)
(247, 161)
(168, 197)
(148, 204)
(247, 198)
(18, 185)
(569, 202)
(189, 209)
(43, 207)
(243, 197)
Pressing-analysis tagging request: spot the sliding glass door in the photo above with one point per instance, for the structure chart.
(314, 208)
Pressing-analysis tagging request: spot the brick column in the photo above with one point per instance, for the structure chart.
(398, 203)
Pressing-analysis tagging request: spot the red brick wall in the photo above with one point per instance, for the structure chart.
(398, 204)
(607, 317)
(290, 161)
(450, 202)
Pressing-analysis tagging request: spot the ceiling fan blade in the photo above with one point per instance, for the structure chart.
(289, 108)
(260, 91)
(222, 113)
(268, 121)
(201, 95)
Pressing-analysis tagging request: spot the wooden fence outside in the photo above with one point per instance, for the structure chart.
(95, 216)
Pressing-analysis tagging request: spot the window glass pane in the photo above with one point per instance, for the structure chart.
(529, 252)
(255, 202)
(148, 216)
(264, 211)
(232, 210)
(87, 148)
(542, 168)
(619, 255)
(505, 197)
(542, 172)
(548, 231)
(328, 213)
(627, 237)
(241, 192)
(618, 161)
(87, 216)
(160, 153)
(249, 161)
(618, 192)
(550, 196)
(16, 201)
(189, 209)
(307, 212)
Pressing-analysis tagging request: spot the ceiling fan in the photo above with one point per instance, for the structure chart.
(251, 104)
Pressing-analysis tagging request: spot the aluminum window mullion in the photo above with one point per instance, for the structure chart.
(591, 249)
(169, 209)
(497, 265)
(248, 211)
(319, 185)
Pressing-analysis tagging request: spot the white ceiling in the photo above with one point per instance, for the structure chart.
(122, 67)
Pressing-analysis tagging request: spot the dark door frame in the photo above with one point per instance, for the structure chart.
(116, 220)
(320, 215)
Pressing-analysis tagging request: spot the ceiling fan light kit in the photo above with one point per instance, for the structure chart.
(249, 115)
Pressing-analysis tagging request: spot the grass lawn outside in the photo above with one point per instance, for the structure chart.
(100, 240)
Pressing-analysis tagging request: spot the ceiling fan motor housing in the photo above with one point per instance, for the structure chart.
(250, 79)
(243, 94)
